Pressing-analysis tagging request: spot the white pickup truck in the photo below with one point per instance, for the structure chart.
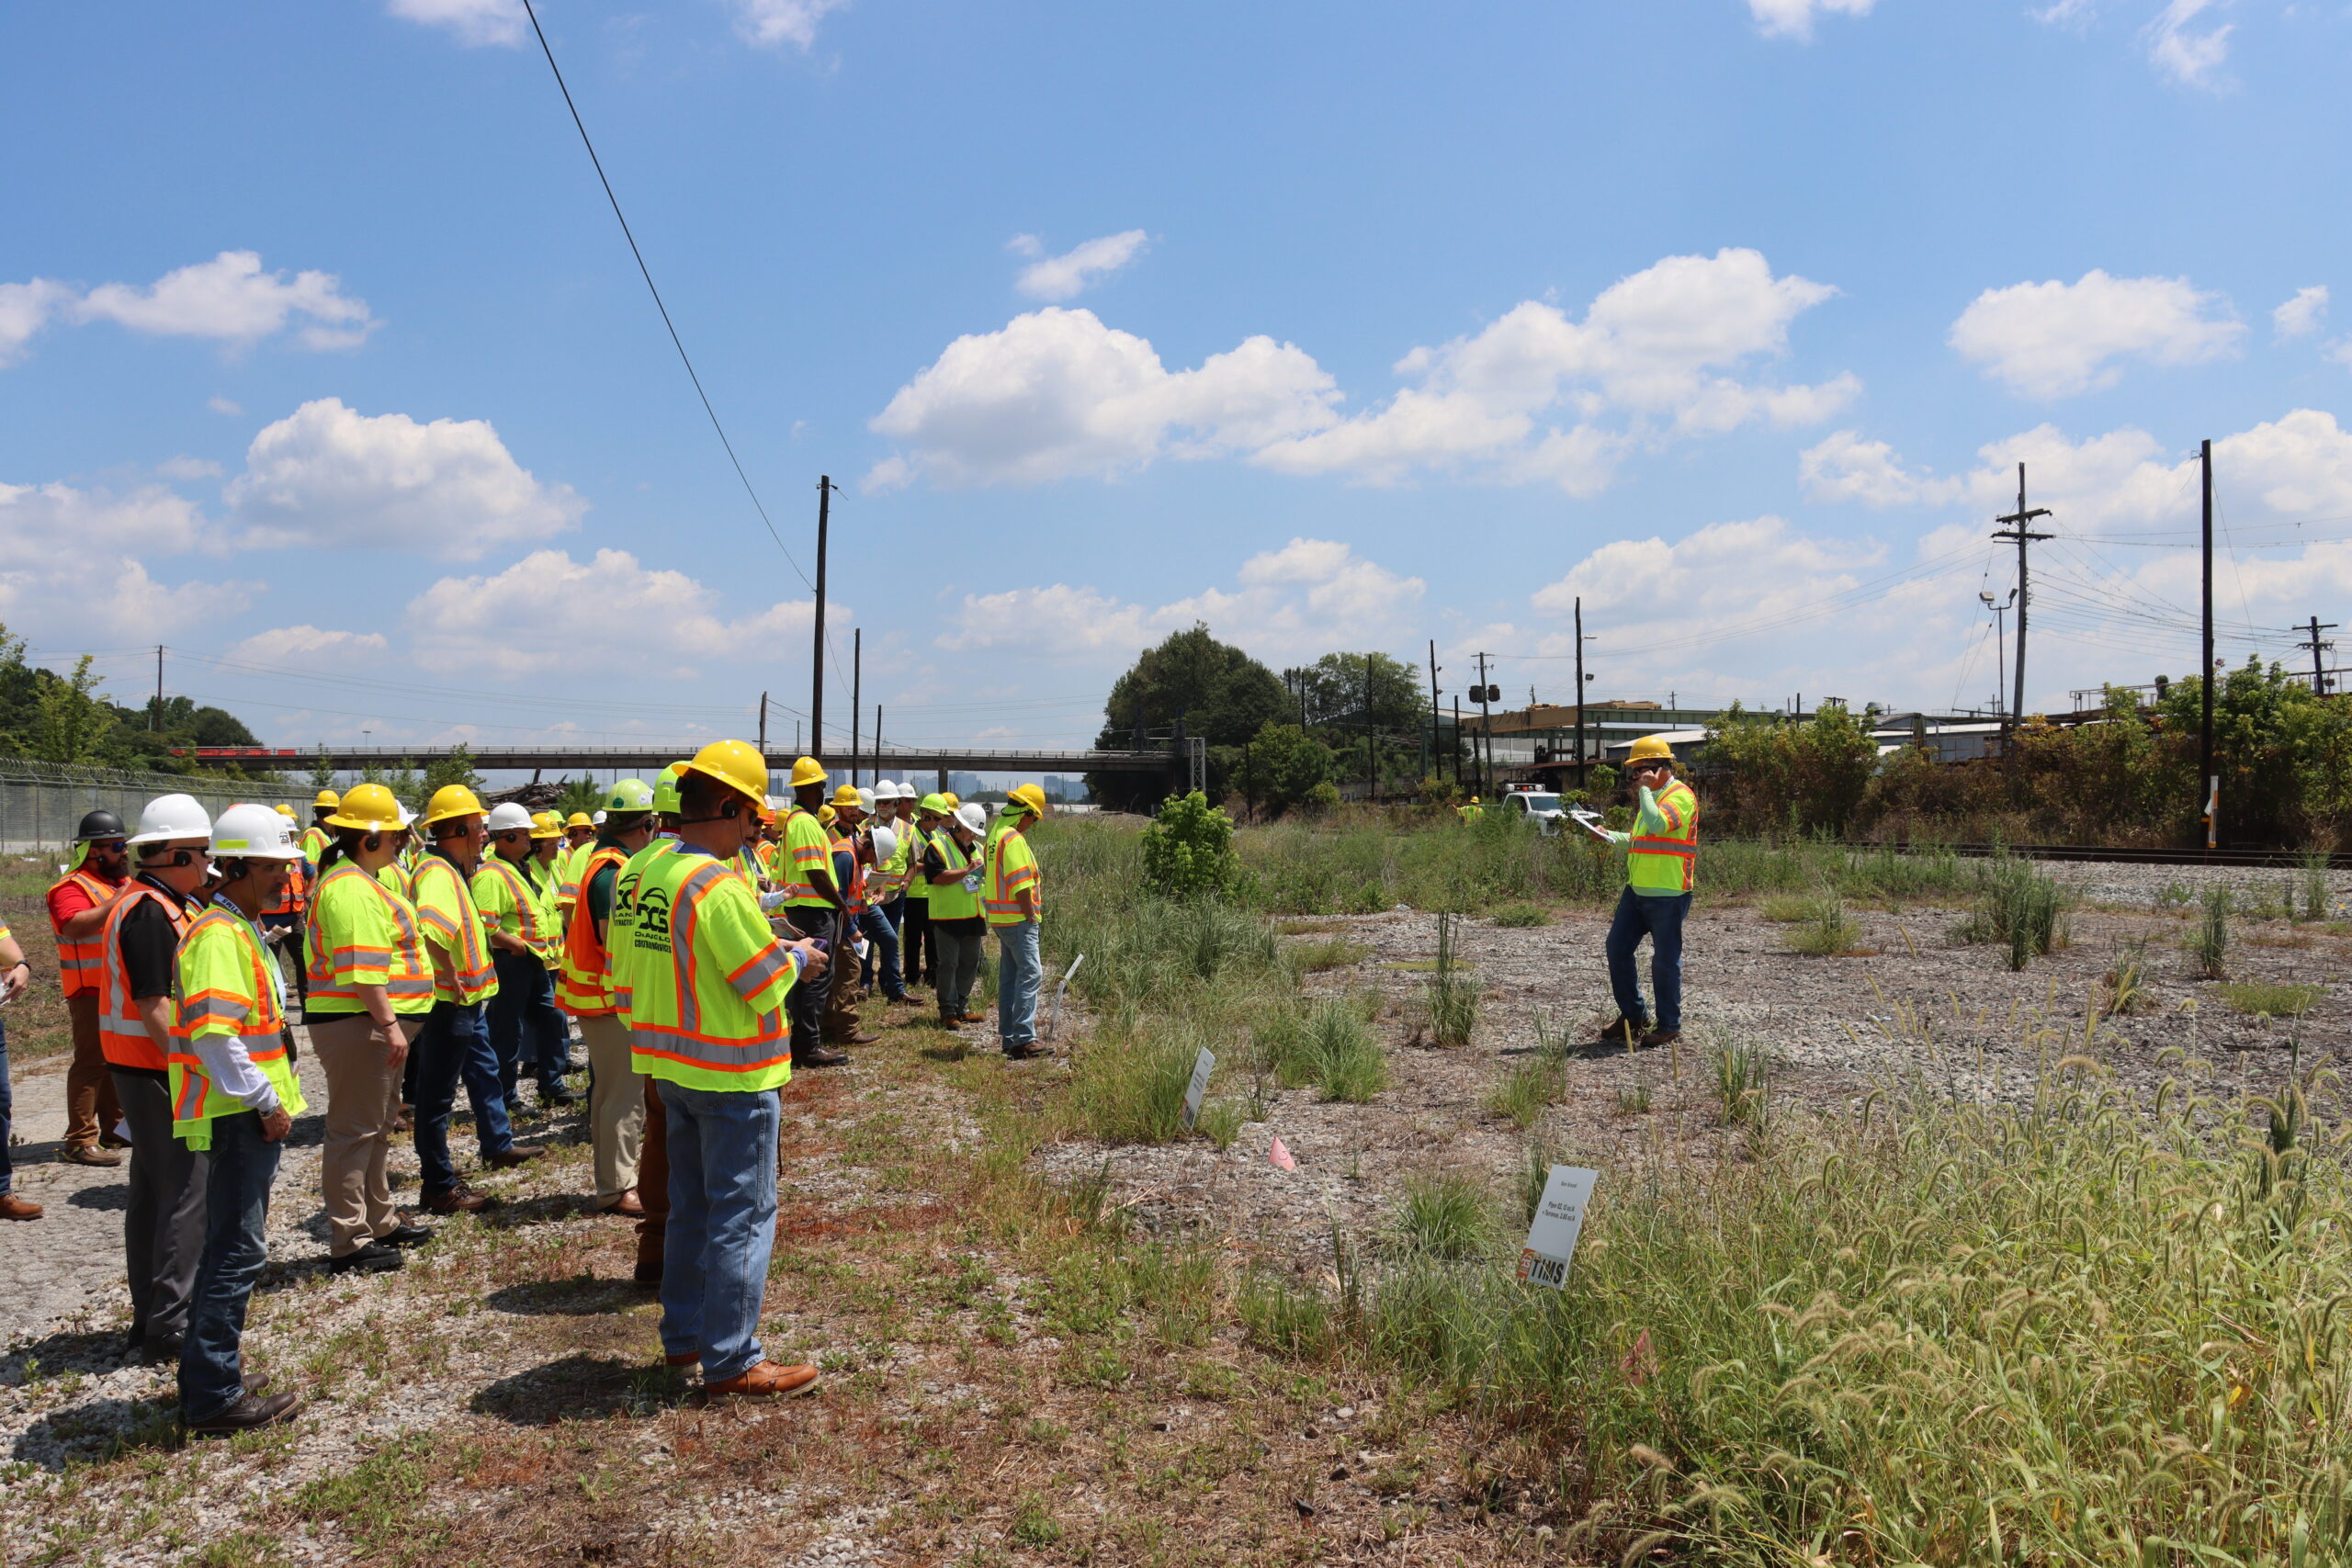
(1538, 806)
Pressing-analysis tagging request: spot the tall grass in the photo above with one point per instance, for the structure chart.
(2019, 909)
(2094, 1333)
(2209, 944)
(1451, 995)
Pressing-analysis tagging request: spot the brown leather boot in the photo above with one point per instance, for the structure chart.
(458, 1199)
(767, 1380)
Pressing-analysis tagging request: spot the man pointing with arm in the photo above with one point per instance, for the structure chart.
(1661, 854)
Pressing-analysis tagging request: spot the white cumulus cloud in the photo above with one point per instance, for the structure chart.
(327, 476)
(74, 563)
(475, 23)
(1056, 393)
(2056, 339)
(24, 308)
(2301, 316)
(1652, 349)
(1067, 275)
(231, 298)
(1305, 599)
(314, 645)
(772, 22)
(1794, 19)
(606, 614)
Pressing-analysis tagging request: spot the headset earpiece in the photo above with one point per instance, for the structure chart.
(372, 842)
(731, 811)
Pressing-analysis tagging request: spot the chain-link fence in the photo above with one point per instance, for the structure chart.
(42, 804)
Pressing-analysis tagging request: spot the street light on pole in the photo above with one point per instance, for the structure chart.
(2000, 607)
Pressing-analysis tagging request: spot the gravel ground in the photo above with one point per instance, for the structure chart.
(1907, 1008)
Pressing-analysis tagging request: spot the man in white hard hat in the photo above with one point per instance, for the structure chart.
(235, 1096)
(521, 939)
(162, 1228)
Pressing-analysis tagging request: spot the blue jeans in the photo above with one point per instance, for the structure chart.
(1020, 973)
(722, 1224)
(526, 1030)
(1660, 916)
(236, 1209)
(7, 1112)
(452, 1045)
(882, 954)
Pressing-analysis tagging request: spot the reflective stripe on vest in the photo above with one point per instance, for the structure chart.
(251, 1013)
(704, 1034)
(952, 900)
(121, 1035)
(1000, 890)
(583, 989)
(795, 861)
(77, 962)
(1666, 862)
(518, 887)
(467, 954)
(334, 952)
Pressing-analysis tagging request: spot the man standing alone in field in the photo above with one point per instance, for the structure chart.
(1661, 855)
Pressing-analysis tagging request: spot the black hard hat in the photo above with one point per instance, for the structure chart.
(100, 824)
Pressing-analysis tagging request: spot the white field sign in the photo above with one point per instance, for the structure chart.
(1559, 1218)
(1203, 1065)
(1054, 1018)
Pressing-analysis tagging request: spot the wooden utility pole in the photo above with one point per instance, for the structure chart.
(2205, 681)
(817, 666)
(1437, 769)
(1582, 776)
(1486, 732)
(763, 727)
(158, 723)
(856, 697)
(877, 742)
(2319, 667)
(1457, 742)
(1371, 747)
(2015, 525)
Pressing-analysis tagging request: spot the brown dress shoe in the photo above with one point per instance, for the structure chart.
(975, 1018)
(767, 1380)
(819, 1056)
(458, 1199)
(250, 1410)
(15, 1208)
(683, 1359)
(858, 1039)
(87, 1153)
(1660, 1037)
(627, 1206)
(514, 1155)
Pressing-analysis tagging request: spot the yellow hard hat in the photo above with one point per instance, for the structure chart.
(847, 795)
(546, 825)
(826, 814)
(450, 800)
(807, 771)
(1650, 748)
(368, 806)
(327, 798)
(735, 763)
(1032, 797)
(578, 820)
(286, 811)
(951, 797)
(1473, 800)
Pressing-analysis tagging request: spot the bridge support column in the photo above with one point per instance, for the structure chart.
(943, 781)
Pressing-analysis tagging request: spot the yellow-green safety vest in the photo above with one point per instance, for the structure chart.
(952, 900)
(1666, 862)
(704, 975)
(364, 933)
(1011, 866)
(224, 986)
(446, 909)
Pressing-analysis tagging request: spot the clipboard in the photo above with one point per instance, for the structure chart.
(1590, 820)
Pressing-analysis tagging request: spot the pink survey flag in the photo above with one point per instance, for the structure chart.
(1280, 1158)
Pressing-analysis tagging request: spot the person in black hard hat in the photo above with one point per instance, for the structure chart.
(78, 901)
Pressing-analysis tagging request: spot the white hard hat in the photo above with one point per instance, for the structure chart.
(598, 819)
(866, 799)
(972, 817)
(885, 843)
(170, 817)
(512, 815)
(408, 818)
(253, 832)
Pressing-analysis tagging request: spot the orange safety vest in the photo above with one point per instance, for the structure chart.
(1666, 864)
(77, 962)
(582, 990)
(121, 1034)
(295, 897)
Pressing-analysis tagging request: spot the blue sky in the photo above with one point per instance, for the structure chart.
(324, 363)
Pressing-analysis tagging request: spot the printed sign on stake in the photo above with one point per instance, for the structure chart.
(1552, 1236)
(1203, 1065)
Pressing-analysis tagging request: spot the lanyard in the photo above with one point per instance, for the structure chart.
(277, 980)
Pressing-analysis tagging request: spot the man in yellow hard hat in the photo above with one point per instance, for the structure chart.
(845, 980)
(1472, 812)
(705, 982)
(318, 835)
(1012, 900)
(1661, 858)
(812, 901)
(453, 1044)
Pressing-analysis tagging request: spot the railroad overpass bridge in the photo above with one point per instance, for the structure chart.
(901, 760)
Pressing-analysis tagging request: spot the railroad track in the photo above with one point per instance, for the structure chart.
(2287, 860)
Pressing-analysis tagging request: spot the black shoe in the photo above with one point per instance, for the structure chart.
(1028, 1052)
(250, 1411)
(160, 1352)
(556, 1094)
(405, 1236)
(1616, 1031)
(514, 1155)
(374, 1258)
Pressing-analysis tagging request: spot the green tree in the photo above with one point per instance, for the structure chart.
(582, 794)
(1341, 687)
(454, 766)
(70, 719)
(1280, 767)
(321, 770)
(1187, 849)
(1809, 776)
(1215, 691)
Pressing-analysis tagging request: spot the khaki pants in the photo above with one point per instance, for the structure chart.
(616, 1105)
(91, 1108)
(363, 1096)
(843, 994)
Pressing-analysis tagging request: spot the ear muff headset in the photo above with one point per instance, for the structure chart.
(372, 842)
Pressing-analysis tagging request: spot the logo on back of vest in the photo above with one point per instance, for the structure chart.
(654, 918)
